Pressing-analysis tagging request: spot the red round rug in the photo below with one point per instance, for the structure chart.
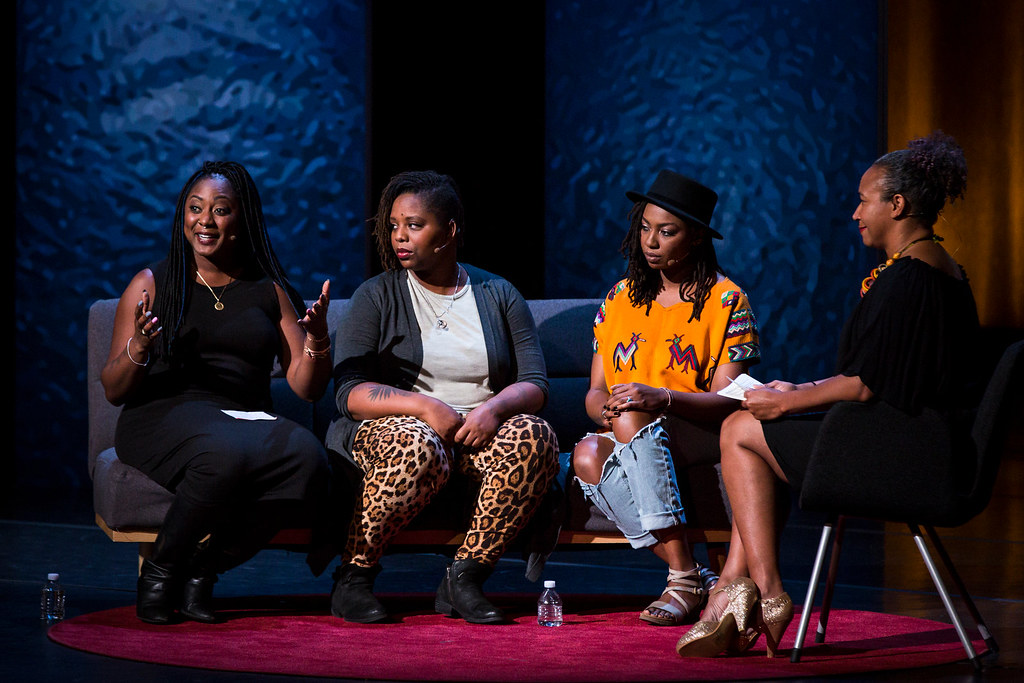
(601, 640)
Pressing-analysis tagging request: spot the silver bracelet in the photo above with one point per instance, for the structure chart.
(128, 350)
(668, 393)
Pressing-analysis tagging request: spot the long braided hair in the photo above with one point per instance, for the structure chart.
(254, 244)
(644, 282)
(439, 192)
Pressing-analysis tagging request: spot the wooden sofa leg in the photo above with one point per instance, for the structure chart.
(145, 552)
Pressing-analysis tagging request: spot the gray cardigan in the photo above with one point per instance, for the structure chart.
(379, 341)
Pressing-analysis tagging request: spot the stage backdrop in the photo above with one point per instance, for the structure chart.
(119, 102)
(772, 104)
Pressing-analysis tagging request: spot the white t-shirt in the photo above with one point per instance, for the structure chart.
(454, 354)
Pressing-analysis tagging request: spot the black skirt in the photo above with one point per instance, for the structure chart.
(791, 440)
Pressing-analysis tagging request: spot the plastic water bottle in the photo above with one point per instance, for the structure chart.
(549, 606)
(51, 600)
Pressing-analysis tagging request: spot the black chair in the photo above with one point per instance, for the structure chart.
(851, 474)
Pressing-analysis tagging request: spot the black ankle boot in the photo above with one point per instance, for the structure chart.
(157, 594)
(227, 547)
(197, 599)
(162, 575)
(461, 594)
(352, 597)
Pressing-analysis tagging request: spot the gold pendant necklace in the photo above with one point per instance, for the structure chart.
(218, 305)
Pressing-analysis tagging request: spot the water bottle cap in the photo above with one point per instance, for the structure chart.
(52, 576)
(549, 584)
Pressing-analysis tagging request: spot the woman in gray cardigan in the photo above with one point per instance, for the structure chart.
(439, 369)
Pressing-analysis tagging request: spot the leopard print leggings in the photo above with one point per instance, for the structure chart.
(405, 463)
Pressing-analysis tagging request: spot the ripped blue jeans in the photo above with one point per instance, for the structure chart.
(638, 490)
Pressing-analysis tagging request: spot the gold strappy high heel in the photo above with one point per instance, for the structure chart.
(744, 641)
(710, 638)
(776, 613)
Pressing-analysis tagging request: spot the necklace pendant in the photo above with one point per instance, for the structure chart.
(442, 325)
(218, 306)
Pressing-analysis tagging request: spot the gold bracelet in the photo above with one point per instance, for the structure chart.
(326, 353)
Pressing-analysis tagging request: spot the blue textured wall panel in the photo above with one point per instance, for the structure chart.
(118, 103)
(772, 104)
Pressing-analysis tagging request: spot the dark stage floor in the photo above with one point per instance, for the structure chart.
(881, 571)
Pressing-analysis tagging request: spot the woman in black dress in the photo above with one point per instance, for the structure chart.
(192, 371)
(901, 352)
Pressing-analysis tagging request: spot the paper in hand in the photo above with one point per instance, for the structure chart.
(738, 386)
(249, 415)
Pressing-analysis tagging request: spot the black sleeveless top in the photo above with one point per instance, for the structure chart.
(228, 353)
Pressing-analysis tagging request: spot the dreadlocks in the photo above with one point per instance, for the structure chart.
(437, 191)
(254, 243)
(645, 282)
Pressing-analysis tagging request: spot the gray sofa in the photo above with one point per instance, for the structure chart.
(130, 507)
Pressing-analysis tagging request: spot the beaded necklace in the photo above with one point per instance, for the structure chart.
(870, 279)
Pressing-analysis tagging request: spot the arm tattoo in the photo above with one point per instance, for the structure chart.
(382, 392)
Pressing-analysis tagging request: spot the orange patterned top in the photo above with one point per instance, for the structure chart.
(664, 348)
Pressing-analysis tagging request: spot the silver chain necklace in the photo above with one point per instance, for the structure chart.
(442, 324)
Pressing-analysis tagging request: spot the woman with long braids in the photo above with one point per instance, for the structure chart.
(905, 370)
(440, 369)
(194, 343)
(667, 338)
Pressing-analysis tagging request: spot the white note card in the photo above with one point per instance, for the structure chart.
(738, 386)
(249, 415)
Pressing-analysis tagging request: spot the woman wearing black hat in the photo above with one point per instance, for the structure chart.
(668, 336)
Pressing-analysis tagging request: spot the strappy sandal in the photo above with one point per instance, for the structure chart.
(690, 593)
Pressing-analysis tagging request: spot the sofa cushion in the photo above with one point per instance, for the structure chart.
(125, 497)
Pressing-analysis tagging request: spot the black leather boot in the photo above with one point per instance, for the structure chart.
(159, 588)
(461, 594)
(156, 594)
(237, 539)
(197, 599)
(352, 597)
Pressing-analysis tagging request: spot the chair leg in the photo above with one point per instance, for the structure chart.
(990, 640)
(805, 617)
(830, 582)
(944, 595)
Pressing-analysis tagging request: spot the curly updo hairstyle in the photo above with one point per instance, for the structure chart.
(439, 192)
(929, 171)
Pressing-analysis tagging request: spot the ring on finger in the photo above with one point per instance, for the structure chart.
(629, 399)
(144, 332)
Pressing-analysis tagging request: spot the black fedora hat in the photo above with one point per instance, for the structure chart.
(683, 197)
